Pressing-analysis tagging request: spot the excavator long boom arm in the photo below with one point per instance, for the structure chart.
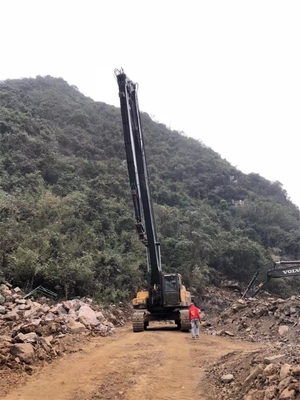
(138, 173)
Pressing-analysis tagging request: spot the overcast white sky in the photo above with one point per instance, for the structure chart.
(226, 72)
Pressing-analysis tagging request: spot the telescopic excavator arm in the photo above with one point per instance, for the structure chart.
(138, 173)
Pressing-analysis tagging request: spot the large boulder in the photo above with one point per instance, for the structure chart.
(87, 316)
(75, 326)
(24, 351)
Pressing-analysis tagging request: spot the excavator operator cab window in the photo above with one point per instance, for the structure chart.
(171, 283)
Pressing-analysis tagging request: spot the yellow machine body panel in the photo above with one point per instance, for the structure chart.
(185, 296)
(141, 299)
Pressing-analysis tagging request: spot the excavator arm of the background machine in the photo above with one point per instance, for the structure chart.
(268, 272)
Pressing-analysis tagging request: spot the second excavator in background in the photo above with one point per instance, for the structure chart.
(270, 271)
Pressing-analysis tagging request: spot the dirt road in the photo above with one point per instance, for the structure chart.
(161, 363)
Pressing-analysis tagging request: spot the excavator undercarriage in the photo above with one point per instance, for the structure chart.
(141, 319)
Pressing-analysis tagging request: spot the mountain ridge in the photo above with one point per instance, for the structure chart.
(65, 199)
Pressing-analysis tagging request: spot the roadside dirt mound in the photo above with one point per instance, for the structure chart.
(259, 320)
(272, 373)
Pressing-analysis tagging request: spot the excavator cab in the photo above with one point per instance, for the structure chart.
(172, 284)
(175, 293)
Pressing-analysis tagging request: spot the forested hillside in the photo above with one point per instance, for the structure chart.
(66, 218)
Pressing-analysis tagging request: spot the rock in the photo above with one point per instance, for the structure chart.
(2, 299)
(284, 370)
(253, 374)
(41, 354)
(67, 305)
(293, 310)
(87, 316)
(270, 393)
(108, 323)
(54, 309)
(273, 378)
(24, 351)
(11, 316)
(296, 371)
(283, 329)
(10, 305)
(99, 316)
(103, 329)
(280, 301)
(6, 339)
(284, 383)
(32, 325)
(228, 333)
(45, 308)
(49, 317)
(75, 326)
(48, 340)
(29, 369)
(6, 292)
(72, 314)
(76, 304)
(270, 369)
(62, 311)
(287, 394)
(274, 359)
(30, 312)
(255, 395)
(2, 310)
(30, 337)
(46, 343)
(227, 378)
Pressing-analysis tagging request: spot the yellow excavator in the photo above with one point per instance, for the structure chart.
(166, 297)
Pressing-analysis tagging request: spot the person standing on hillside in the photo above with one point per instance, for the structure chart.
(195, 318)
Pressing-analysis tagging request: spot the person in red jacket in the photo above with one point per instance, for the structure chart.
(195, 318)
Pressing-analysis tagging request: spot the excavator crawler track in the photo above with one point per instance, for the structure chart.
(184, 320)
(138, 322)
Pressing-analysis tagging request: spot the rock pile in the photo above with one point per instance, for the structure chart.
(32, 331)
(259, 320)
(271, 373)
(259, 376)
